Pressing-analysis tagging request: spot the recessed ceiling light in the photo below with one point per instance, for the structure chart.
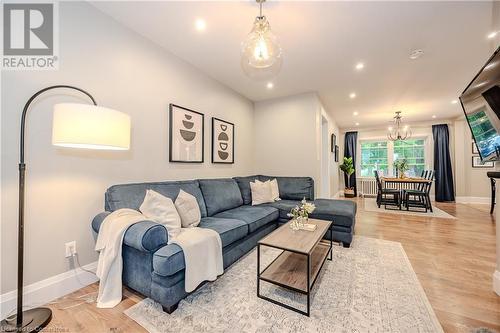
(270, 85)
(454, 101)
(355, 113)
(200, 24)
(434, 116)
(352, 95)
(357, 124)
(492, 34)
(415, 54)
(360, 66)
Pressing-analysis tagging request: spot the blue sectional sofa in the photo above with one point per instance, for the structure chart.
(156, 269)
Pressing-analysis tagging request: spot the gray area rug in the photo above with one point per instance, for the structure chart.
(370, 205)
(370, 287)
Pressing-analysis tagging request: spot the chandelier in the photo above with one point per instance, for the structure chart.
(260, 52)
(398, 131)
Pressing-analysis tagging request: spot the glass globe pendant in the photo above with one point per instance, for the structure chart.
(261, 56)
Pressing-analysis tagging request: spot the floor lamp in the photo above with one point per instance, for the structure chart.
(74, 126)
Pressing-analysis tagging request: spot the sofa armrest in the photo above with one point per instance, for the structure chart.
(145, 235)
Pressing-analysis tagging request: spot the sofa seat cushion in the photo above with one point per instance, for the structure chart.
(284, 207)
(230, 230)
(254, 216)
(220, 194)
(169, 259)
(341, 212)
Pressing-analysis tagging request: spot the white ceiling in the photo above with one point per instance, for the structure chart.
(322, 42)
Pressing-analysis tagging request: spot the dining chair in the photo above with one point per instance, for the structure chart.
(382, 194)
(421, 196)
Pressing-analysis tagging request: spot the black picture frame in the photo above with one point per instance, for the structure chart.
(214, 119)
(172, 109)
(474, 148)
(333, 142)
(476, 163)
(336, 153)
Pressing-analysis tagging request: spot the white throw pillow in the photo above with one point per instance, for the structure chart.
(275, 191)
(160, 209)
(261, 192)
(188, 209)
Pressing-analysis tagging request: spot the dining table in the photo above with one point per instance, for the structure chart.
(404, 183)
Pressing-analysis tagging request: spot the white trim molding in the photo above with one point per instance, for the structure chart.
(473, 200)
(45, 291)
(496, 282)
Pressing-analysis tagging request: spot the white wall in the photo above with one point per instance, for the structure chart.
(288, 138)
(472, 183)
(65, 188)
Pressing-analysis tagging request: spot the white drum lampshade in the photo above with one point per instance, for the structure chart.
(90, 127)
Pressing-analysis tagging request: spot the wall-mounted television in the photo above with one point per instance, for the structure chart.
(481, 104)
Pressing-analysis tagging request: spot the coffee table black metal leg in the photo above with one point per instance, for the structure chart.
(331, 244)
(308, 285)
(258, 270)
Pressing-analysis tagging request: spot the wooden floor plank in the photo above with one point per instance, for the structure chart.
(454, 260)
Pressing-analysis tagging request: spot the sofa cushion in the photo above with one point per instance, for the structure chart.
(254, 216)
(341, 212)
(293, 188)
(230, 230)
(220, 194)
(170, 259)
(284, 207)
(132, 195)
(244, 185)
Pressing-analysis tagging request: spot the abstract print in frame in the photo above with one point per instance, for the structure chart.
(222, 141)
(186, 135)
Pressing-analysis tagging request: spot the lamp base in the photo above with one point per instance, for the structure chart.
(33, 321)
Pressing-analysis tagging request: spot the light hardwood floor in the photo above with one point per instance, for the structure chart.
(454, 261)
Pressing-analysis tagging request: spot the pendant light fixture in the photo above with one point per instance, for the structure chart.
(261, 56)
(398, 131)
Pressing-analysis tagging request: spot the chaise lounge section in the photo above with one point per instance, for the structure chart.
(155, 268)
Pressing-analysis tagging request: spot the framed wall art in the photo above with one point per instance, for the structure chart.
(474, 148)
(186, 135)
(477, 163)
(222, 141)
(333, 142)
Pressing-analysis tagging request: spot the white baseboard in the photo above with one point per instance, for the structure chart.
(473, 200)
(45, 291)
(496, 282)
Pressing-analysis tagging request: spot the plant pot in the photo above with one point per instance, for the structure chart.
(349, 192)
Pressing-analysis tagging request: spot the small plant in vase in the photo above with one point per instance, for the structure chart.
(300, 214)
(401, 167)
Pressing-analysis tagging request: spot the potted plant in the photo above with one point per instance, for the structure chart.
(401, 166)
(348, 168)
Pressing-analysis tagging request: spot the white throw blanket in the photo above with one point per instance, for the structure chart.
(202, 255)
(109, 266)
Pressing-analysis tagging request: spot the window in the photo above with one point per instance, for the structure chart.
(414, 152)
(373, 157)
(381, 154)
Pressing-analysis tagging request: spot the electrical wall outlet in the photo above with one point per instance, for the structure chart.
(70, 249)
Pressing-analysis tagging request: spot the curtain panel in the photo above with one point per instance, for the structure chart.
(350, 141)
(444, 189)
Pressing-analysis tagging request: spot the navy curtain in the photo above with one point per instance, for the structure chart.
(350, 151)
(442, 164)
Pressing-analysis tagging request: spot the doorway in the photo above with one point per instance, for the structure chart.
(325, 160)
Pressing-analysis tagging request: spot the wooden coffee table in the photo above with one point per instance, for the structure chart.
(298, 266)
